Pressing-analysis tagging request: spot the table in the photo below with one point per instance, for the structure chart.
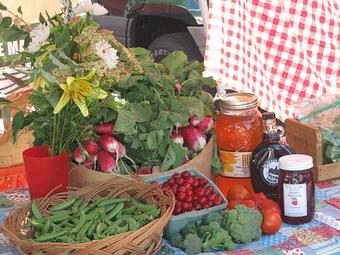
(314, 238)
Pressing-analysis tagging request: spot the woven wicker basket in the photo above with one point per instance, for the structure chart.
(146, 240)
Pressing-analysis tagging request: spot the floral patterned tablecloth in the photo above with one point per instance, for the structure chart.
(319, 237)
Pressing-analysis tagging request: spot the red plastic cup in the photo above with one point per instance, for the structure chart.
(44, 172)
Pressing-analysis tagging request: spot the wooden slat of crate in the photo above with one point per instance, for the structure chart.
(307, 139)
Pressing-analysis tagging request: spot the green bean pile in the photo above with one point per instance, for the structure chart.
(76, 220)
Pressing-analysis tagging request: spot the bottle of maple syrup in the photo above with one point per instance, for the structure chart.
(264, 162)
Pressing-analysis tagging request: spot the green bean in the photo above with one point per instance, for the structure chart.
(132, 223)
(63, 205)
(59, 218)
(111, 201)
(35, 210)
(91, 229)
(82, 221)
(122, 228)
(47, 237)
(109, 208)
(76, 205)
(99, 236)
(100, 228)
(115, 211)
(129, 211)
(143, 207)
(85, 227)
(62, 212)
(46, 227)
(66, 239)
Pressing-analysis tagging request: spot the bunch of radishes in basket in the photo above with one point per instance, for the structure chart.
(107, 152)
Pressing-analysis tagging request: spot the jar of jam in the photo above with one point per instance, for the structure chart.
(239, 130)
(296, 188)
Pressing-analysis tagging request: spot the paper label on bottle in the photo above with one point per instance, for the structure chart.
(235, 164)
(270, 172)
(295, 200)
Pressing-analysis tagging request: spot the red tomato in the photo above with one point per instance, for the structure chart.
(268, 204)
(180, 196)
(176, 176)
(232, 204)
(218, 200)
(200, 192)
(202, 182)
(271, 222)
(189, 192)
(257, 196)
(249, 203)
(179, 180)
(237, 191)
(185, 174)
(185, 206)
(190, 180)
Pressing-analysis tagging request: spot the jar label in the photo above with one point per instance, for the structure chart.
(270, 172)
(235, 164)
(295, 200)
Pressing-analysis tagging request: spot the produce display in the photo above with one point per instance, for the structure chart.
(192, 192)
(77, 220)
(219, 231)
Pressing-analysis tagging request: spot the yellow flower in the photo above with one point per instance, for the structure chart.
(40, 83)
(77, 89)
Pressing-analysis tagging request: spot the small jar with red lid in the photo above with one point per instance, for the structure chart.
(296, 189)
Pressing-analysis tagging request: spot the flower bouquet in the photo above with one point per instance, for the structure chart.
(113, 108)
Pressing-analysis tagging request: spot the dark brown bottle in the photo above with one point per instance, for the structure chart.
(264, 162)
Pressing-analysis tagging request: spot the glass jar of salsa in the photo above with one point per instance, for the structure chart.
(296, 189)
(239, 130)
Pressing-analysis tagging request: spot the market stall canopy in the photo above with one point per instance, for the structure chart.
(283, 51)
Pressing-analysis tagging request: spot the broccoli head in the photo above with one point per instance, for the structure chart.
(215, 237)
(190, 228)
(214, 216)
(192, 244)
(243, 224)
(176, 240)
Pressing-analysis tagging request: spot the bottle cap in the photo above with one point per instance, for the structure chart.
(296, 162)
(238, 101)
(268, 115)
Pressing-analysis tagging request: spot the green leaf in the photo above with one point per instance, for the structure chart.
(4, 114)
(154, 139)
(125, 123)
(193, 105)
(175, 63)
(169, 159)
(6, 22)
(180, 153)
(2, 7)
(215, 162)
(19, 10)
(141, 112)
(18, 123)
(192, 66)
(209, 81)
(15, 34)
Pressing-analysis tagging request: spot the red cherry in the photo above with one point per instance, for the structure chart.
(185, 206)
(180, 196)
(185, 174)
(176, 176)
(218, 200)
(202, 182)
(189, 192)
(178, 211)
(179, 180)
(188, 199)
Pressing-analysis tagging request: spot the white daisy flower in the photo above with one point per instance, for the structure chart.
(92, 8)
(39, 36)
(107, 53)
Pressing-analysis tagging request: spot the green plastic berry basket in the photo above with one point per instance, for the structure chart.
(177, 222)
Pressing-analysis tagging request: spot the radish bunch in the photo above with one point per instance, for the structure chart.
(194, 135)
(103, 153)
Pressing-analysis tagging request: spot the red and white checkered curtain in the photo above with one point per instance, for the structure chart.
(283, 51)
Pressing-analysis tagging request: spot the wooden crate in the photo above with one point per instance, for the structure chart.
(307, 139)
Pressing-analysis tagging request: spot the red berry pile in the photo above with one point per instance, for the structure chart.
(192, 192)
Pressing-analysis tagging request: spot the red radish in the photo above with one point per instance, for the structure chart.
(107, 162)
(91, 147)
(109, 143)
(193, 120)
(177, 137)
(144, 170)
(78, 156)
(121, 150)
(206, 124)
(178, 87)
(89, 164)
(104, 128)
(194, 138)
